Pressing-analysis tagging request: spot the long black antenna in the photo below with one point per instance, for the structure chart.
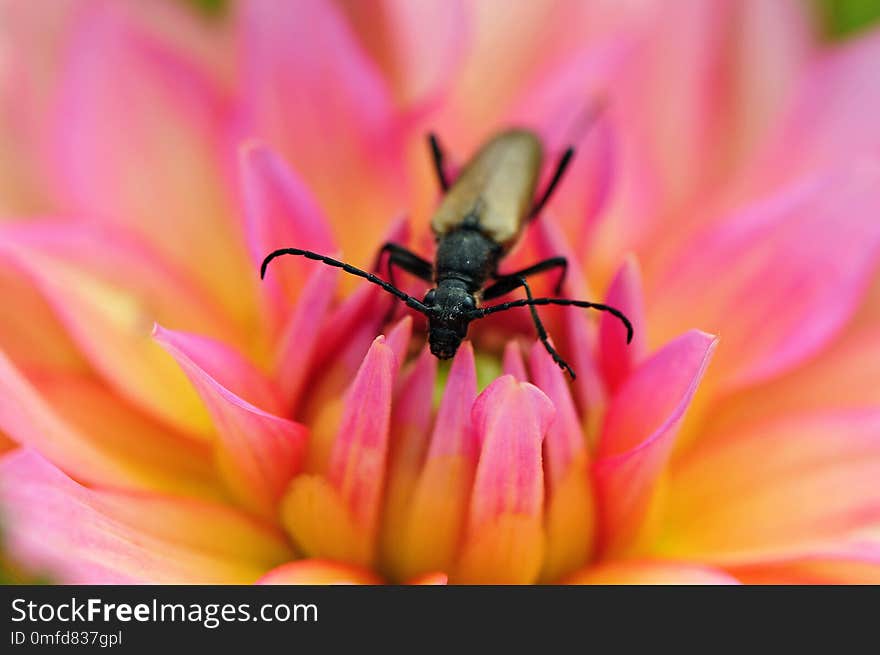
(530, 302)
(348, 268)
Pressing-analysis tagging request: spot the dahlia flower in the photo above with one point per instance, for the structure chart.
(165, 417)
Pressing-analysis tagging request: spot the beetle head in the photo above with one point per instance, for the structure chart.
(450, 309)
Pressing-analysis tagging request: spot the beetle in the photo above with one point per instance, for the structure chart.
(479, 219)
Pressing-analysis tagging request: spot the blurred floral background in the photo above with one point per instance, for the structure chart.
(165, 417)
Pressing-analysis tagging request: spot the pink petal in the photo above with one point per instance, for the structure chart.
(302, 334)
(630, 572)
(780, 488)
(90, 433)
(350, 138)
(280, 212)
(504, 535)
(570, 511)
(778, 279)
(439, 500)
(107, 290)
(831, 117)
(316, 571)
(639, 432)
(257, 452)
(144, 151)
(617, 358)
(96, 536)
(512, 362)
(579, 335)
(419, 46)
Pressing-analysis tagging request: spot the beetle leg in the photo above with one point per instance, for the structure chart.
(561, 167)
(437, 156)
(507, 283)
(407, 260)
(400, 257)
(539, 327)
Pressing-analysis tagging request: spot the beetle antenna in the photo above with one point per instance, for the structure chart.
(348, 268)
(503, 307)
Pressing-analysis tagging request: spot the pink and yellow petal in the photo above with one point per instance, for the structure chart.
(146, 151)
(504, 538)
(80, 535)
(84, 429)
(337, 516)
(257, 452)
(351, 137)
(107, 291)
(778, 488)
(779, 278)
(438, 505)
(635, 446)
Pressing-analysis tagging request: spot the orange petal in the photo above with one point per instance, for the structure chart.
(504, 540)
(850, 562)
(318, 571)
(97, 536)
(632, 572)
(779, 488)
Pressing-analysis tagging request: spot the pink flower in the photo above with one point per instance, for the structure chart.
(165, 417)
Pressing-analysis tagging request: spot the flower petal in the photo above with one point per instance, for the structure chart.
(299, 341)
(350, 138)
(411, 420)
(851, 562)
(780, 278)
(280, 212)
(570, 512)
(352, 490)
(639, 432)
(107, 290)
(630, 572)
(439, 499)
(257, 452)
(512, 362)
(97, 536)
(419, 46)
(504, 541)
(430, 579)
(781, 487)
(89, 432)
(155, 134)
(830, 118)
(318, 571)
(616, 357)
(30, 333)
